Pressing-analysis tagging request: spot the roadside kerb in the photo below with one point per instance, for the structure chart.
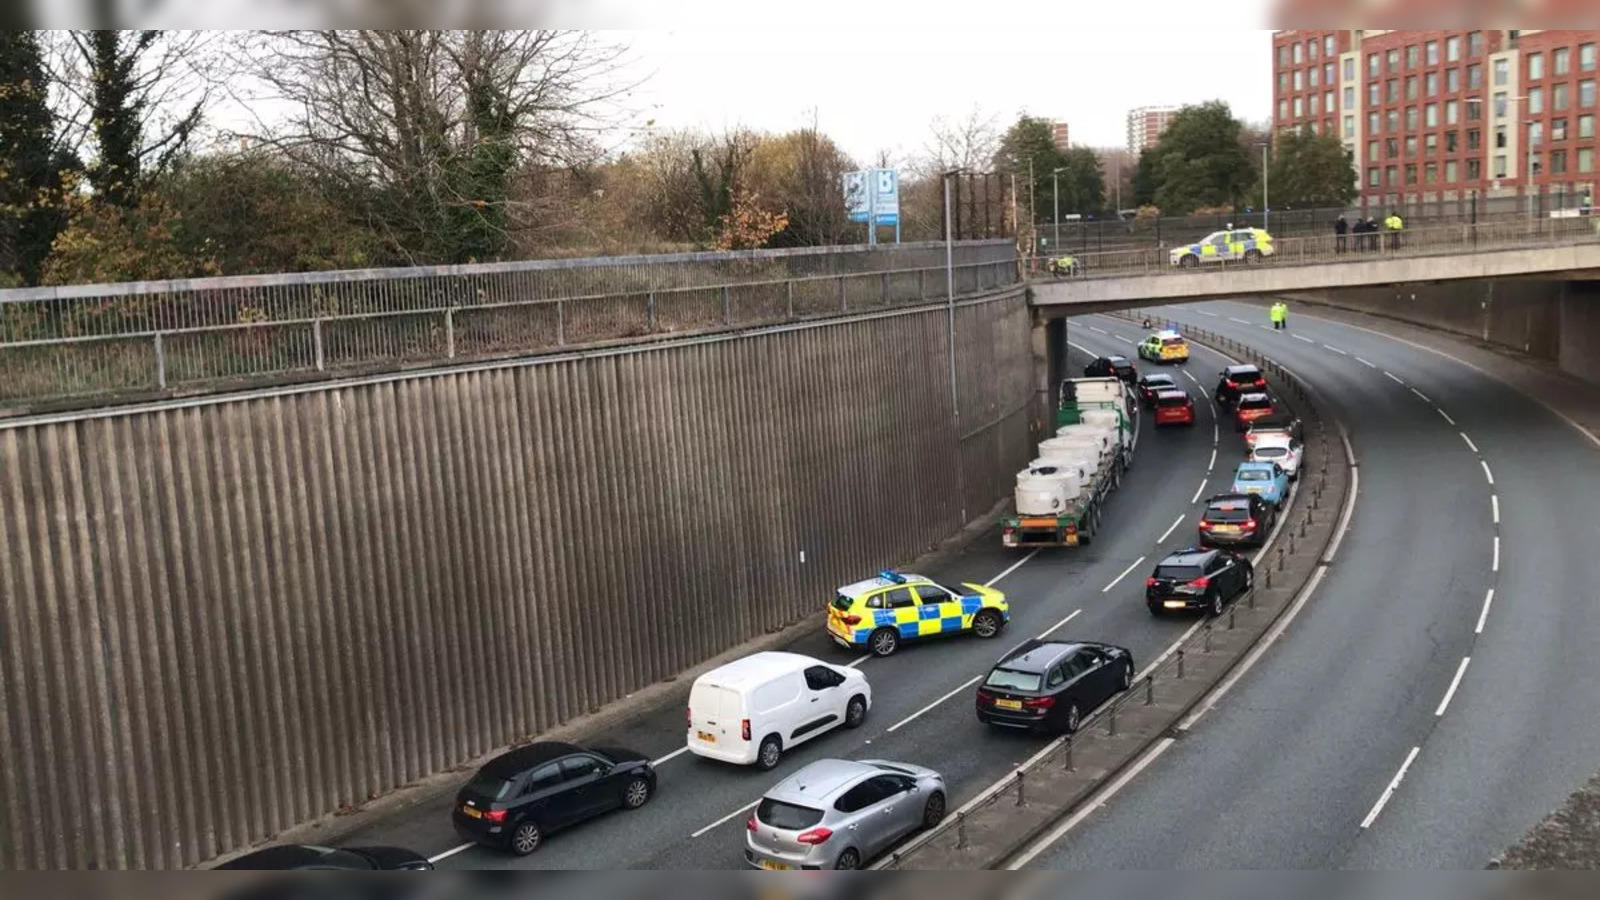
(1056, 782)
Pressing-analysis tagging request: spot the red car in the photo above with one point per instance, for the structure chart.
(1174, 408)
(1250, 408)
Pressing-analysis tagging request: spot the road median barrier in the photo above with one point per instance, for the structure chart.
(1001, 822)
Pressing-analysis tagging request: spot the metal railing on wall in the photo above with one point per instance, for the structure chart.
(105, 340)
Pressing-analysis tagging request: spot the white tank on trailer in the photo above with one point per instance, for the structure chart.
(1046, 490)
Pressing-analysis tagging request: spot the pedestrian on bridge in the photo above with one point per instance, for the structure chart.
(1371, 228)
(1340, 229)
(1394, 225)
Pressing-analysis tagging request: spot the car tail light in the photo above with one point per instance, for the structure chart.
(1151, 582)
(1204, 525)
(750, 823)
(1232, 383)
(1039, 703)
(688, 716)
(497, 816)
(1250, 525)
(985, 698)
(1202, 582)
(851, 620)
(744, 729)
(1072, 528)
(815, 836)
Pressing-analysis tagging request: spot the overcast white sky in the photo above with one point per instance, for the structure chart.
(880, 92)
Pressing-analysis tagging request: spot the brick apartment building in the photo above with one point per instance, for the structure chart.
(1061, 136)
(1444, 115)
(1146, 124)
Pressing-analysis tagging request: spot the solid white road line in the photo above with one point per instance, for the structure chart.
(1123, 339)
(858, 661)
(1454, 683)
(678, 752)
(959, 688)
(1098, 330)
(1301, 338)
(1469, 442)
(1190, 375)
(1215, 434)
(1486, 473)
(1240, 321)
(1488, 600)
(1098, 801)
(1494, 564)
(1446, 415)
(1130, 568)
(1204, 313)
(1052, 628)
(449, 853)
(1422, 395)
(1494, 505)
(1336, 349)
(1173, 527)
(1393, 376)
(1212, 465)
(1344, 518)
(1011, 568)
(1199, 490)
(734, 814)
(1389, 791)
(1365, 363)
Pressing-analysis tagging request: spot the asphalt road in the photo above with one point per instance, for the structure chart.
(922, 711)
(1465, 486)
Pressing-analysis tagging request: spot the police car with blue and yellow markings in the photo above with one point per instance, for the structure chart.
(1250, 245)
(881, 612)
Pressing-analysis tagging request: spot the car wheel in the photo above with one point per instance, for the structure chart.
(1249, 578)
(1216, 604)
(933, 810)
(526, 837)
(986, 624)
(1188, 262)
(884, 641)
(1252, 257)
(771, 751)
(1127, 676)
(849, 859)
(1074, 719)
(855, 712)
(635, 793)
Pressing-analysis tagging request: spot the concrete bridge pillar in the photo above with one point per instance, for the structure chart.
(1049, 342)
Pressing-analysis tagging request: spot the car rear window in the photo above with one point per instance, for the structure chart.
(1012, 679)
(1231, 513)
(787, 816)
(1252, 475)
(1172, 401)
(1272, 452)
(1247, 373)
(1171, 341)
(491, 787)
(1179, 573)
(1256, 403)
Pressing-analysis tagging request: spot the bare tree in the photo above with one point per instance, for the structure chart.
(968, 142)
(425, 127)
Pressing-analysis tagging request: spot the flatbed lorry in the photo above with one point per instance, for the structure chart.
(1080, 520)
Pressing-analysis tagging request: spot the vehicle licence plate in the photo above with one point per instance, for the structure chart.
(775, 866)
(1008, 704)
(1226, 529)
(472, 813)
(1174, 604)
(706, 736)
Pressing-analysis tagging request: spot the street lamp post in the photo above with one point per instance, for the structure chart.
(1266, 202)
(950, 293)
(1055, 204)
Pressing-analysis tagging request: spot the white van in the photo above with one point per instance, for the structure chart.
(753, 709)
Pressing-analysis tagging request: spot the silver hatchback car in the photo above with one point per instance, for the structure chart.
(838, 814)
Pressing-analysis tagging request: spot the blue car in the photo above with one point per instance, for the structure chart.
(1267, 479)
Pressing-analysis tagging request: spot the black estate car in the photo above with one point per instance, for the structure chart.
(1197, 578)
(1235, 380)
(524, 794)
(1051, 685)
(1111, 367)
(1236, 519)
(310, 856)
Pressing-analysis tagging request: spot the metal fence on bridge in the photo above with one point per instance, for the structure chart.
(88, 343)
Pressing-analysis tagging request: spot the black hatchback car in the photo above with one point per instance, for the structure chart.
(1236, 380)
(310, 856)
(1049, 686)
(1197, 578)
(1111, 367)
(1153, 384)
(1236, 519)
(524, 794)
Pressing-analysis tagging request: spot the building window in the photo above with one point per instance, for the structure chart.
(1283, 82)
(1316, 103)
(1433, 53)
(1283, 109)
(1394, 60)
(1299, 80)
(1451, 142)
(1451, 170)
(1349, 126)
(1411, 87)
(1475, 43)
(1311, 49)
(1430, 145)
(1327, 74)
(1560, 61)
(1392, 120)
(1535, 134)
(1535, 66)
(1500, 166)
(1391, 90)
(1586, 92)
(1299, 108)
(1411, 173)
(1411, 147)
(1502, 72)
(1586, 57)
(1558, 129)
(1391, 176)
(1327, 126)
(1474, 170)
(1534, 166)
(1312, 126)
(1283, 54)
(1474, 76)
(1430, 173)
(1558, 162)
(1350, 69)
(1372, 151)
(1474, 111)
(1474, 139)
(1374, 178)
(1433, 84)
(1500, 104)
(1499, 137)
(1452, 49)
(1586, 126)
(1558, 97)
(1452, 112)
(1299, 53)
(1411, 118)
(1391, 147)
(1313, 77)
(1535, 101)
(1350, 98)
(1372, 123)
(1327, 45)
(1327, 102)
(1452, 80)
(1585, 159)
(1372, 94)
(1413, 56)
(1431, 115)
(1372, 65)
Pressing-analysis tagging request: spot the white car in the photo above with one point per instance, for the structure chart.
(1281, 449)
(752, 710)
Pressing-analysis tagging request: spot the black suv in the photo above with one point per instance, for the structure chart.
(523, 794)
(1236, 380)
(1197, 578)
(1050, 686)
(1236, 519)
(1111, 367)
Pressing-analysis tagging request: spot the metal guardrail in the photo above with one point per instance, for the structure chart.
(1438, 240)
(107, 340)
(1059, 754)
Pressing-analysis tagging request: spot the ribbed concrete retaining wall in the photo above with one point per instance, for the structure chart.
(226, 618)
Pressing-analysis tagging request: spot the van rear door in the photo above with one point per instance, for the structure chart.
(714, 716)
